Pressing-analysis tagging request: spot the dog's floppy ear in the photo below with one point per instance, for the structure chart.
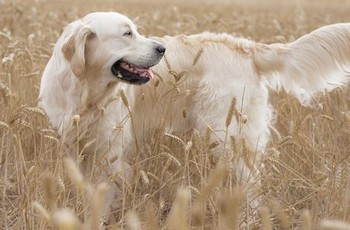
(74, 48)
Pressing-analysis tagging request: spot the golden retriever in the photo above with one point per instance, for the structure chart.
(79, 85)
(88, 91)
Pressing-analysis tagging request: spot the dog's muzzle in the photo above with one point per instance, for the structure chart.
(130, 73)
(134, 74)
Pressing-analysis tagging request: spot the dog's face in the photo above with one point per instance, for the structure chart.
(107, 45)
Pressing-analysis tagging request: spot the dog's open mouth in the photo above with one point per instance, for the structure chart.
(130, 73)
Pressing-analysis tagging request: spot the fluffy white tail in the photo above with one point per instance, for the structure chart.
(315, 62)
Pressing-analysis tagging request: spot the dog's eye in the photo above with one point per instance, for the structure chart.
(128, 33)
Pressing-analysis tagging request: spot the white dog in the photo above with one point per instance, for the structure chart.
(80, 84)
(101, 118)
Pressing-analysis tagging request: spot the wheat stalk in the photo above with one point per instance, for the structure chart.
(176, 138)
(4, 93)
(171, 157)
(167, 63)
(215, 178)
(178, 217)
(231, 111)
(160, 78)
(74, 173)
(65, 219)
(36, 110)
(198, 55)
(346, 131)
(265, 218)
(275, 133)
(50, 191)
(98, 204)
(229, 205)
(280, 214)
(177, 76)
(334, 225)
(327, 117)
(41, 210)
(144, 177)
(3, 35)
(124, 98)
(307, 220)
(150, 214)
(4, 125)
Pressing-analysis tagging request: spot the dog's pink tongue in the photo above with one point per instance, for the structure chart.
(149, 73)
(145, 72)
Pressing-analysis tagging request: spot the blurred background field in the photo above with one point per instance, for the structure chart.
(307, 165)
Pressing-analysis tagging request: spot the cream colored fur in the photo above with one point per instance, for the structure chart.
(82, 99)
(315, 62)
(218, 67)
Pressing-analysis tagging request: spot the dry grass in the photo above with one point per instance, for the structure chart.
(307, 175)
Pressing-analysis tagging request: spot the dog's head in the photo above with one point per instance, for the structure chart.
(108, 45)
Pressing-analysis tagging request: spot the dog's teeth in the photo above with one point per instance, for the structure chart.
(119, 75)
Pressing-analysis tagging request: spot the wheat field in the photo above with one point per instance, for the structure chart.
(306, 179)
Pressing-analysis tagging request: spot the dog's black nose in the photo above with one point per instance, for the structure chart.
(160, 49)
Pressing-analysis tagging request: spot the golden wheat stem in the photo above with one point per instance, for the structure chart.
(124, 98)
(178, 217)
(150, 214)
(74, 173)
(265, 218)
(198, 55)
(167, 63)
(41, 210)
(97, 205)
(65, 219)
(229, 205)
(50, 190)
(307, 220)
(334, 225)
(215, 178)
(230, 112)
(133, 221)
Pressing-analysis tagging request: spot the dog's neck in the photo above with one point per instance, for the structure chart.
(101, 100)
